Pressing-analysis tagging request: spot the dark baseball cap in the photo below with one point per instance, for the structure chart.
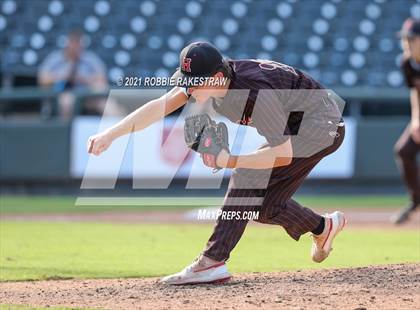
(198, 59)
(410, 28)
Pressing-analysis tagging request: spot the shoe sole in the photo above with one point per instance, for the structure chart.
(214, 282)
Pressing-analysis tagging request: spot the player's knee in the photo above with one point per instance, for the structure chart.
(265, 215)
(261, 218)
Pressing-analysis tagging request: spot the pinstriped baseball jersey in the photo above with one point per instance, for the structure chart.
(263, 94)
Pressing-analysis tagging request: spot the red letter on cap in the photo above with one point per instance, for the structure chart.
(186, 65)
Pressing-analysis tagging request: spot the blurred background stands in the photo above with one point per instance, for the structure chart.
(342, 43)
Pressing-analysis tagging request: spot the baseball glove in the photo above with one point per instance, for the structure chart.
(205, 136)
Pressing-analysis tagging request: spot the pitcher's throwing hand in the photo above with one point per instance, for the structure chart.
(98, 143)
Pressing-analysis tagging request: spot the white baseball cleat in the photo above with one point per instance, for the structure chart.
(322, 244)
(202, 270)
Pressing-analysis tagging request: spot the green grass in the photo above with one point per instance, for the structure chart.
(39, 204)
(353, 201)
(30, 204)
(35, 250)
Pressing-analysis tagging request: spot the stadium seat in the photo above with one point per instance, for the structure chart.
(337, 40)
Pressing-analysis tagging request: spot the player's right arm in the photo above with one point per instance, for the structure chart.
(139, 119)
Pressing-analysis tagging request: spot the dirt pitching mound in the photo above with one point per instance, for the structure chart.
(377, 287)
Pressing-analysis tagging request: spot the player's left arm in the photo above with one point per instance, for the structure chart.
(264, 158)
(269, 119)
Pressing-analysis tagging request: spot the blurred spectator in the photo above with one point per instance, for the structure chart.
(408, 146)
(75, 68)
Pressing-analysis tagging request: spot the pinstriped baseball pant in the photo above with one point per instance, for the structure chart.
(406, 150)
(277, 208)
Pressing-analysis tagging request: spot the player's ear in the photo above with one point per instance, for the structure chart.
(219, 75)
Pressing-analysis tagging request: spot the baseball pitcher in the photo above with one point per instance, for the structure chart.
(254, 95)
(408, 146)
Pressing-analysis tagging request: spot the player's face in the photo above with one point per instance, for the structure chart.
(74, 47)
(200, 93)
(413, 45)
(203, 93)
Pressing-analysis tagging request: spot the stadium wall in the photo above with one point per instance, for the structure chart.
(34, 150)
(55, 150)
(49, 149)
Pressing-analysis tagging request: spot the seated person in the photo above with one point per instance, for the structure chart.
(76, 68)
